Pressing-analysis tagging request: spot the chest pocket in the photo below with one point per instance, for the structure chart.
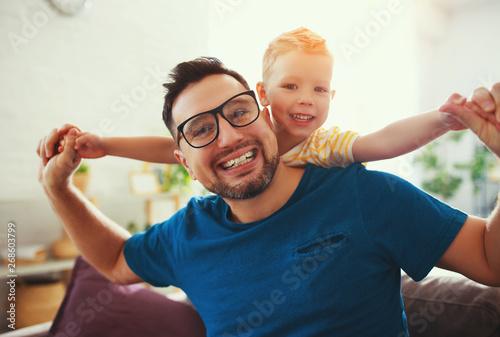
(322, 245)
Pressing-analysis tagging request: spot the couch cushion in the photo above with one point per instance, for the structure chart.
(93, 306)
(451, 306)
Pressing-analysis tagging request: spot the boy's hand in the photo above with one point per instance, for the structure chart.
(450, 121)
(90, 146)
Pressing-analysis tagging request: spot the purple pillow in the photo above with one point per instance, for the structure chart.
(94, 306)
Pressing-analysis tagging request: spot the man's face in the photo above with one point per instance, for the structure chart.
(242, 161)
(298, 90)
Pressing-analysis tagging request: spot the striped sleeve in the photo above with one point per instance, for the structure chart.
(326, 148)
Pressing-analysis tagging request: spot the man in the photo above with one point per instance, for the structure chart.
(280, 251)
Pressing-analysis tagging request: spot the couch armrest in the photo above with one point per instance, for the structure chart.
(451, 306)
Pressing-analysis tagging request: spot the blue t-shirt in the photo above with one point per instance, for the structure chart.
(326, 264)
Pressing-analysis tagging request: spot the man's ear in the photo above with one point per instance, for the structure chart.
(181, 159)
(333, 94)
(261, 91)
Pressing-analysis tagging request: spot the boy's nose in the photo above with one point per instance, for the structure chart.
(228, 134)
(305, 99)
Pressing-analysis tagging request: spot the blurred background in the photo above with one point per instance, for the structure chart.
(100, 65)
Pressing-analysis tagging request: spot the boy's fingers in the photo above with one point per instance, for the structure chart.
(457, 99)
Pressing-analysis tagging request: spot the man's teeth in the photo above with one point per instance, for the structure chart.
(247, 157)
(302, 118)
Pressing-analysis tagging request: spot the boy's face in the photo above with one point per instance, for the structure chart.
(298, 91)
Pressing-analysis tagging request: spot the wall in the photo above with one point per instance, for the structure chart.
(101, 70)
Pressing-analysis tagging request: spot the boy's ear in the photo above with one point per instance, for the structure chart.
(181, 159)
(261, 91)
(333, 94)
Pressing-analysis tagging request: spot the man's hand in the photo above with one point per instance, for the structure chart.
(56, 169)
(481, 115)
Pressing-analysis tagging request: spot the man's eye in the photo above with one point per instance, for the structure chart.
(202, 132)
(239, 116)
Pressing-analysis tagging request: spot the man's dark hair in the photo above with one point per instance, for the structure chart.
(191, 72)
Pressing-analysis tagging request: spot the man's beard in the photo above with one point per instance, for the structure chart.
(248, 189)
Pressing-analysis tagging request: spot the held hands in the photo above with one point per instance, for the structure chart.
(57, 167)
(481, 114)
(61, 152)
(88, 145)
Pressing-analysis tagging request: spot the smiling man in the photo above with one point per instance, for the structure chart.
(279, 251)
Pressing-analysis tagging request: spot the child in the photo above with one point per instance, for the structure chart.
(297, 71)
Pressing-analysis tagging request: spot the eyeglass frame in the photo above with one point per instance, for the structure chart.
(214, 112)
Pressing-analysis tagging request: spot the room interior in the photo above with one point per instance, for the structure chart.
(102, 68)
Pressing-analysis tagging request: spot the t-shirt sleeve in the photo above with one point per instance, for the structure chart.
(407, 226)
(150, 254)
(326, 148)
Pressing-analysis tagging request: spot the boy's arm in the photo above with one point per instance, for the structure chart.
(89, 145)
(150, 149)
(403, 136)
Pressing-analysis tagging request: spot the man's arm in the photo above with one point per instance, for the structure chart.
(475, 252)
(403, 136)
(99, 239)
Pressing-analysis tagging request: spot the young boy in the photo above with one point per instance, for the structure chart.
(297, 72)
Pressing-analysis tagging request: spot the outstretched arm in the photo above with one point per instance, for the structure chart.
(403, 136)
(99, 239)
(150, 149)
(475, 251)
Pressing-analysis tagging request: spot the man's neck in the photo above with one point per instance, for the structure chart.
(287, 141)
(284, 183)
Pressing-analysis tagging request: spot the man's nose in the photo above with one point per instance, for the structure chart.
(228, 134)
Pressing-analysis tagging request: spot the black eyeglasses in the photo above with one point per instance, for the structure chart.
(202, 129)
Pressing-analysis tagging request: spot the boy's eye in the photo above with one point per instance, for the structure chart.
(290, 86)
(320, 89)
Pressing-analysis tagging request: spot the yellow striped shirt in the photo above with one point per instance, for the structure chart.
(326, 148)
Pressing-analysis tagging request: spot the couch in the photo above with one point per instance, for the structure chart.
(93, 306)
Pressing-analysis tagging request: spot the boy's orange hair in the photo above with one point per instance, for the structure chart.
(301, 39)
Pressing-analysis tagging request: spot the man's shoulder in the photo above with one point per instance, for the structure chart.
(352, 176)
(354, 168)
